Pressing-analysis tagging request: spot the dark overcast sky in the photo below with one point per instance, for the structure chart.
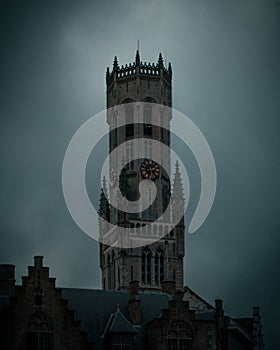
(225, 56)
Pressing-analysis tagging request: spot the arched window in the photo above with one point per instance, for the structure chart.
(113, 271)
(38, 333)
(115, 130)
(119, 276)
(159, 266)
(146, 266)
(130, 155)
(129, 120)
(109, 271)
(148, 149)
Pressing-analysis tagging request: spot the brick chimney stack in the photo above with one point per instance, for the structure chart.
(134, 302)
(38, 261)
(257, 328)
(7, 279)
(219, 307)
(221, 340)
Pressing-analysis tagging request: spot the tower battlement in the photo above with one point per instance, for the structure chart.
(138, 81)
(139, 68)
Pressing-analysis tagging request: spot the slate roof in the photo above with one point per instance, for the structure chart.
(233, 325)
(94, 308)
(247, 323)
(196, 302)
(205, 316)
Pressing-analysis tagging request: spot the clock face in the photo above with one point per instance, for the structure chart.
(149, 169)
(113, 177)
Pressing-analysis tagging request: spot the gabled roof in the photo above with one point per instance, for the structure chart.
(233, 325)
(197, 303)
(94, 308)
(247, 323)
(118, 323)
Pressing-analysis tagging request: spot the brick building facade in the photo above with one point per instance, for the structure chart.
(37, 315)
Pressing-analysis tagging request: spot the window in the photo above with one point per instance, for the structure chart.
(159, 266)
(130, 155)
(147, 118)
(38, 296)
(129, 120)
(113, 271)
(146, 267)
(119, 276)
(115, 130)
(178, 344)
(109, 271)
(134, 208)
(162, 134)
(148, 149)
(37, 340)
(122, 342)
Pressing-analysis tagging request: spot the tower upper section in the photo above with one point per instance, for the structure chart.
(139, 81)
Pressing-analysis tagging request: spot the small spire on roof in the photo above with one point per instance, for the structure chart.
(178, 191)
(160, 60)
(104, 183)
(137, 58)
(169, 68)
(115, 64)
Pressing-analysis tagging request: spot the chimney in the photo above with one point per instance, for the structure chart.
(221, 339)
(38, 261)
(256, 313)
(134, 302)
(256, 323)
(7, 279)
(168, 287)
(219, 306)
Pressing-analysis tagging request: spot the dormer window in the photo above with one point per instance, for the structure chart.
(122, 342)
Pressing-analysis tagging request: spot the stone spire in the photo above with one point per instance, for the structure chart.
(178, 199)
(137, 58)
(104, 208)
(107, 73)
(169, 69)
(115, 64)
(178, 191)
(160, 60)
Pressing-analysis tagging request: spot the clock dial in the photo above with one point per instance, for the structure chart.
(113, 177)
(149, 169)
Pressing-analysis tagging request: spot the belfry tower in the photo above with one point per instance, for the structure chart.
(163, 259)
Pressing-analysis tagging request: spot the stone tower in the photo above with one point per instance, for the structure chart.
(163, 259)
